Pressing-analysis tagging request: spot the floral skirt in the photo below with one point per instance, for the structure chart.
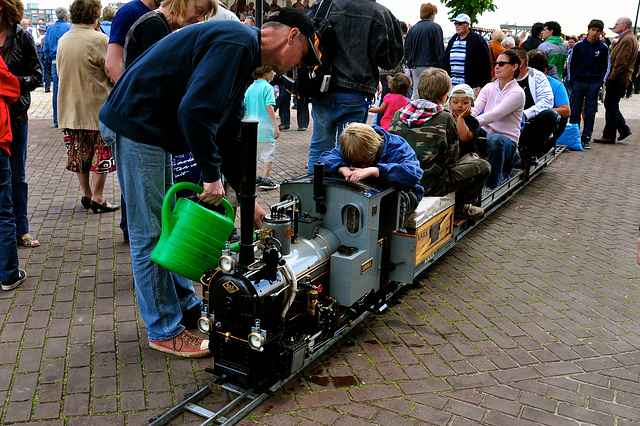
(86, 152)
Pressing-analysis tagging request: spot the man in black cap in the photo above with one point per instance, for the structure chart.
(185, 95)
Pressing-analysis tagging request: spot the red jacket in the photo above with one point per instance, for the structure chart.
(9, 93)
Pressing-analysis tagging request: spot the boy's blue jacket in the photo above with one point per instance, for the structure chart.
(398, 163)
(185, 94)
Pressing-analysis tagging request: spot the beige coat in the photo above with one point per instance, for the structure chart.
(623, 58)
(84, 81)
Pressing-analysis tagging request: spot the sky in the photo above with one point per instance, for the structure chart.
(573, 15)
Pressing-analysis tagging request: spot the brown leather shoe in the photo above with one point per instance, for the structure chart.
(624, 135)
(185, 345)
(605, 140)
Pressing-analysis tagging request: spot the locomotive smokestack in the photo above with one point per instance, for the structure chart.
(318, 187)
(247, 195)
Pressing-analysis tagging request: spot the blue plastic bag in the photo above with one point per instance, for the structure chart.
(571, 137)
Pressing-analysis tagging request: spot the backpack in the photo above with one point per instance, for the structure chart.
(312, 80)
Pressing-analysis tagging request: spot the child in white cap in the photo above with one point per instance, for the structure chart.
(460, 102)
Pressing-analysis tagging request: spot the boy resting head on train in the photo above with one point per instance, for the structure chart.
(370, 152)
(433, 134)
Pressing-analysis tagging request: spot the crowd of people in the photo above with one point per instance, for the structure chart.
(455, 117)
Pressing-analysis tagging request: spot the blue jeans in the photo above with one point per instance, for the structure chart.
(587, 93)
(145, 175)
(331, 112)
(54, 75)
(614, 120)
(285, 110)
(46, 71)
(8, 247)
(416, 77)
(19, 187)
(503, 155)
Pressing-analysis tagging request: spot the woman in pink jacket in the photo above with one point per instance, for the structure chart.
(499, 111)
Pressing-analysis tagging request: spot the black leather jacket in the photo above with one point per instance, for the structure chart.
(366, 36)
(20, 55)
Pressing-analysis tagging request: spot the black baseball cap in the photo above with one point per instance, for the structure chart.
(294, 18)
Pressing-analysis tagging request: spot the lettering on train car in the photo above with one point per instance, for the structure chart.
(366, 266)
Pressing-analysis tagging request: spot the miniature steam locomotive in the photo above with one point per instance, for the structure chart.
(331, 252)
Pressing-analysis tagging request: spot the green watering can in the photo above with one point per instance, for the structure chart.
(193, 236)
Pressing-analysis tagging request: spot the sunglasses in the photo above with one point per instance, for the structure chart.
(503, 63)
(459, 24)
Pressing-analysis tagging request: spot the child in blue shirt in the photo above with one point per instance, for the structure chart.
(260, 101)
(370, 152)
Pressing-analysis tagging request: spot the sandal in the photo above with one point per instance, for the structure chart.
(27, 240)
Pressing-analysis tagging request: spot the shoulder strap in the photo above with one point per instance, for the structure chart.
(323, 10)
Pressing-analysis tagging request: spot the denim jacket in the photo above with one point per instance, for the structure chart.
(366, 36)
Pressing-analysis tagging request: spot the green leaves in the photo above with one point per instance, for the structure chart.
(473, 8)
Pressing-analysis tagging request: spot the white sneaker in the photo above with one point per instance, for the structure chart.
(469, 211)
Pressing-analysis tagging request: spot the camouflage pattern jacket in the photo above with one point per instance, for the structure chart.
(435, 142)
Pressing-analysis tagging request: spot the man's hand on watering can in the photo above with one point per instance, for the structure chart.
(213, 192)
(259, 214)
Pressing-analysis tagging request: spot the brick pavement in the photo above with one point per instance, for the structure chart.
(531, 319)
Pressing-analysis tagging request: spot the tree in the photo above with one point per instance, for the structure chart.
(473, 8)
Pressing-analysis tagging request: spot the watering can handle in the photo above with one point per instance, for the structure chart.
(168, 220)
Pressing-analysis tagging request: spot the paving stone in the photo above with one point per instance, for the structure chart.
(546, 418)
(103, 386)
(78, 380)
(44, 411)
(428, 414)
(499, 404)
(13, 332)
(105, 420)
(465, 410)
(80, 334)
(52, 370)
(323, 399)
(104, 341)
(18, 411)
(24, 387)
(30, 361)
(473, 381)
(515, 374)
(584, 415)
(134, 381)
(132, 401)
(50, 392)
(104, 365)
(38, 319)
(104, 405)
(374, 392)
(399, 406)
(387, 418)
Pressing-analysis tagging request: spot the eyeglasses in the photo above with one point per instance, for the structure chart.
(459, 24)
(503, 63)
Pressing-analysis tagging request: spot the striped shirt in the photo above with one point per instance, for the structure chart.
(456, 59)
